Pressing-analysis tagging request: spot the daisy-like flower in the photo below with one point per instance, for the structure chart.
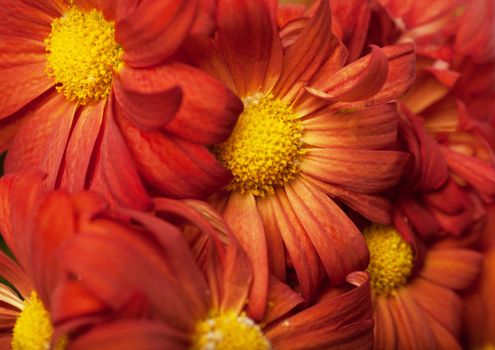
(67, 67)
(34, 225)
(414, 290)
(313, 128)
(186, 307)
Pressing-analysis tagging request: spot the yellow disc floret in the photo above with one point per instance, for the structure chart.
(82, 54)
(229, 331)
(391, 259)
(265, 146)
(33, 329)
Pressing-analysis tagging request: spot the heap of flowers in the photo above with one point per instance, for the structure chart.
(247, 174)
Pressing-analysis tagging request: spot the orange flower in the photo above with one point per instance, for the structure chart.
(68, 67)
(415, 301)
(312, 128)
(34, 225)
(189, 308)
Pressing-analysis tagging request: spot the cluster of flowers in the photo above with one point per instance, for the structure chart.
(247, 175)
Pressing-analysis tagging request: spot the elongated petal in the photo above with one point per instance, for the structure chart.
(115, 175)
(14, 274)
(81, 146)
(174, 166)
(148, 111)
(358, 170)
(23, 83)
(281, 300)
(41, 141)
(208, 110)
(248, 42)
(357, 81)
(305, 56)
(370, 128)
(131, 335)
(154, 30)
(343, 321)
(339, 243)
(452, 268)
(242, 216)
(385, 335)
(300, 248)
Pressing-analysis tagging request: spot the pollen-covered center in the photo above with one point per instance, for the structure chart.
(391, 259)
(33, 329)
(265, 146)
(82, 54)
(229, 331)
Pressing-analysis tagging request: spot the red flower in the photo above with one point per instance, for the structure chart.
(185, 307)
(415, 300)
(69, 67)
(312, 128)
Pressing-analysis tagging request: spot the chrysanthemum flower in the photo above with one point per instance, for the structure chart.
(186, 307)
(35, 225)
(312, 128)
(415, 301)
(68, 66)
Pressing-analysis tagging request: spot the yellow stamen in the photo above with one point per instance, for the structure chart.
(82, 54)
(33, 329)
(229, 331)
(391, 259)
(265, 146)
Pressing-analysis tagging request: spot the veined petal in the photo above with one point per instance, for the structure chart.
(14, 274)
(339, 243)
(250, 61)
(41, 140)
(359, 80)
(365, 171)
(131, 335)
(81, 146)
(155, 30)
(241, 214)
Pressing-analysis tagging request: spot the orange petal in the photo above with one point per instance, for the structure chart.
(81, 146)
(452, 268)
(343, 321)
(364, 171)
(15, 275)
(305, 56)
(359, 80)
(249, 44)
(385, 328)
(131, 335)
(370, 128)
(281, 300)
(339, 243)
(41, 140)
(242, 215)
(154, 30)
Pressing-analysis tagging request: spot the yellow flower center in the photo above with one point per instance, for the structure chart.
(391, 259)
(33, 329)
(82, 54)
(265, 146)
(229, 331)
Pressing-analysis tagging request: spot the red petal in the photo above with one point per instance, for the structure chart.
(357, 81)
(12, 272)
(385, 329)
(243, 217)
(154, 30)
(370, 128)
(305, 56)
(23, 83)
(115, 175)
(131, 335)
(80, 147)
(281, 300)
(343, 321)
(147, 110)
(452, 268)
(174, 166)
(339, 243)
(247, 40)
(208, 110)
(365, 171)
(41, 140)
